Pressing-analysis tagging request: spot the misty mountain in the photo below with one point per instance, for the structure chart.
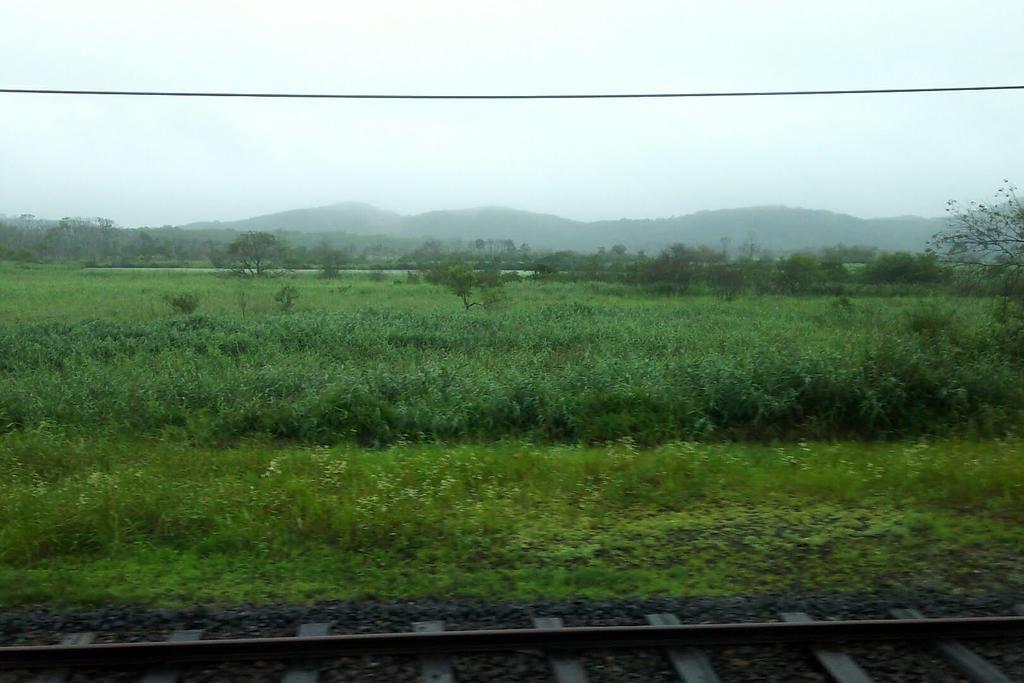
(536, 229)
(351, 217)
(777, 228)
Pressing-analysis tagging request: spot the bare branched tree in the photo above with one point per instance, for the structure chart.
(988, 237)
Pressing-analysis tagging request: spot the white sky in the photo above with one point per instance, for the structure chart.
(156, 160)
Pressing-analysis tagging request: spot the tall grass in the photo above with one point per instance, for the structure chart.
(567, 364)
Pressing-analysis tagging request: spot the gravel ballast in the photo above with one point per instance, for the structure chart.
(884, 662)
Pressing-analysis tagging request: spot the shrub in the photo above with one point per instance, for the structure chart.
(182, 303)
(903, 268)
(542, 271)
(842, 304)
(493, 298)
(727, 280)
(931, 322)
(286, 297)
(799, 274)
(328, 271)
(331, 261)
(1007, 329)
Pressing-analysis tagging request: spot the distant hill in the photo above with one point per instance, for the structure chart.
(350, 217)
(777, 228)
(536, 229)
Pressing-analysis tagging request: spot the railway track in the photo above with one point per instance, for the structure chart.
(682, 645)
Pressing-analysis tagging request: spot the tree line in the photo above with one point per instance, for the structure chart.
(984, 244)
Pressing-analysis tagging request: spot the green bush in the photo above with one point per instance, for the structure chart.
(799, 274)
(903, 268)
(286, 297)
(931, 322)
(183, 303)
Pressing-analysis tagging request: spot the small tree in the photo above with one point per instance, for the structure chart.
(463, 281)
(989, 237)
(460, 278)
(330, 260)
(252, 253)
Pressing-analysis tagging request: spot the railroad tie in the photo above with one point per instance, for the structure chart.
(976, 668)
(691, 664)
(306, 670)
(839, 665)
(434, 667)
(169, 673)
(61, 675)
(565, 665)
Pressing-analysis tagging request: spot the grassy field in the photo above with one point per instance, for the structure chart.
(382, 362)
(582, 440)
(91, 522)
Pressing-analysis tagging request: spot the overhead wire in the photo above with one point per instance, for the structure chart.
(534, 96)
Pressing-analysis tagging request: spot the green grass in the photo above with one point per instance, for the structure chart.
(544, 449)
(163, 523)
(39, 293)
(378, 362)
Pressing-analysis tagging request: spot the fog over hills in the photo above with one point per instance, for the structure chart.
(778, 228)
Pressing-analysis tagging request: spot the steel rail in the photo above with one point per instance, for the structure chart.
(117, 655)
